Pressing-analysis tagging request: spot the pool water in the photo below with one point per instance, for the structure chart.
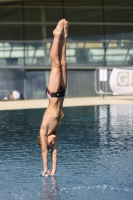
(95, 155)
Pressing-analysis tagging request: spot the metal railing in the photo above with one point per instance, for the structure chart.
(103, 86)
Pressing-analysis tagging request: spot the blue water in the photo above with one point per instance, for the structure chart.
(95, 155)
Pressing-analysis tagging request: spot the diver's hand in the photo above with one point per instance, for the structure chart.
(46, 172)
(52, 173)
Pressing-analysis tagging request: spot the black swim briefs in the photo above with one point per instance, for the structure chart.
(60, 93)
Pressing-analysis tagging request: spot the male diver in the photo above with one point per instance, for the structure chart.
(55, 92)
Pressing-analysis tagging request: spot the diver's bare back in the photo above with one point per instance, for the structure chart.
(53, 116)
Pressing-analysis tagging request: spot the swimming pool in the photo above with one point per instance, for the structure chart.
(94, 155)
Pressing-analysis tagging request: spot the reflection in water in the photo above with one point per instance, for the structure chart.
(115, 126)
(49, 190)
(103, 124)
(94, 155)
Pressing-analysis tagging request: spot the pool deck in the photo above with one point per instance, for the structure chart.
(68, 102)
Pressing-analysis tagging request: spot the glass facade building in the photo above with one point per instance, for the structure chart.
(100, 36)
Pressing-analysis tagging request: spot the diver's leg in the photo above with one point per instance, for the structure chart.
(55, 74)
(63, 55)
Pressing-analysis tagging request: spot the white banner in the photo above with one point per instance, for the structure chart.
(121, 81)
(103, 74)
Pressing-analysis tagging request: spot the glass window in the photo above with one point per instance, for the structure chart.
(8, 14)
(119, 32)
(10, 3)
(85, 53)
(11, 53)
(36, 84)
(34, 32)
(129, 56)
(32, 14)
(44, 2)
(89, 32)
(118, 3)
(36, 54)
(11, 32)
(82, 3)
(11, 79)
(61, 2)
(116, 56)
(49, 30)
(118, 15)
(83, 15)
(52, 14)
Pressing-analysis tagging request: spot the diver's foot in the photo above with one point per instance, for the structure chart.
(65, 28)
(59, 28)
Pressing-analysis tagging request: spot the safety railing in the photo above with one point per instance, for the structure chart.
(102, 77)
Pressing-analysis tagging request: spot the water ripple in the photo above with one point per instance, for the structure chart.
(94, 155)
